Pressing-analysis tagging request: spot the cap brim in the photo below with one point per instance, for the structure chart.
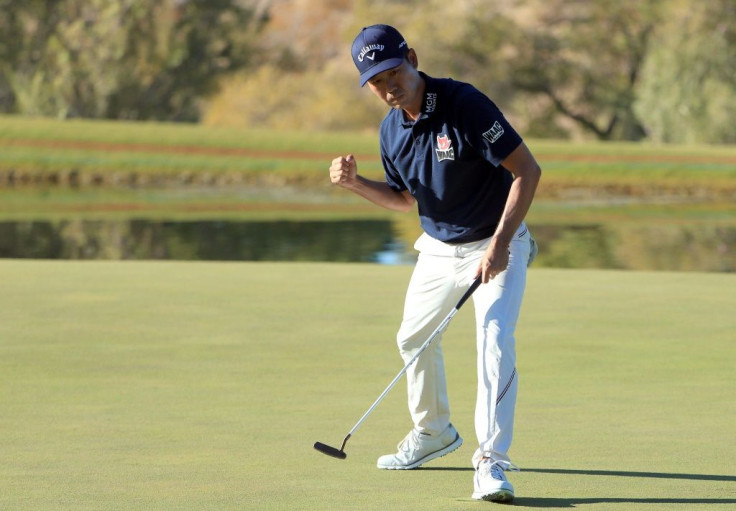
(380, 68)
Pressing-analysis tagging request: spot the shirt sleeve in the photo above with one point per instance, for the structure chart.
(392, 175)
(485, 128)
(393, 178)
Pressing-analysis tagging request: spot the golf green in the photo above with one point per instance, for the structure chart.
(169, 385)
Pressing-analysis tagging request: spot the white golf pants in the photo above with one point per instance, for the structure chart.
(442, 274)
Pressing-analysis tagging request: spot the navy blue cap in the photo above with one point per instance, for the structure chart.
(376, 49)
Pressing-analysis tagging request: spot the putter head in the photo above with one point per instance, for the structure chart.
(330, 451)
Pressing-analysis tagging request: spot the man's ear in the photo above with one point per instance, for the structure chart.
(411, 56)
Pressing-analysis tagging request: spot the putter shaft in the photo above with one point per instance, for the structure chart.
(331, 451)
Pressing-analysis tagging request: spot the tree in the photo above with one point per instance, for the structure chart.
(688, 90)
(132, 59)
(609, 69)
(560, 59)
(306, 78)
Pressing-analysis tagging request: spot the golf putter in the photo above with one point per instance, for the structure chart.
(340, 453)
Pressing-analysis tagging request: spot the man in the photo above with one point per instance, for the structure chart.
(447, 148)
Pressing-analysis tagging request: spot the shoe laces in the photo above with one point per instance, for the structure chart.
(410, 441)
(496, 469)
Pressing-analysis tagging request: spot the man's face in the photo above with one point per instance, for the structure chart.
(401, 86)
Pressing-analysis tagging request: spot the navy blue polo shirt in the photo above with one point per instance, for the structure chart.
(450, 160)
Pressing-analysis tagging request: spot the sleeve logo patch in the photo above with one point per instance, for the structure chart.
(444, 148)
(494, 133)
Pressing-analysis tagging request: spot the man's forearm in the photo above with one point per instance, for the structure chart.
(526, 178)
(517, 206)
(380, 193)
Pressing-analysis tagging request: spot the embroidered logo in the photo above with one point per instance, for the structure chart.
(494, 133)
(431, 102)
(372, 49)
(444, 148)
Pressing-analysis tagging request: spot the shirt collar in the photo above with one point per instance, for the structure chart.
(431, 95)
(429, 102)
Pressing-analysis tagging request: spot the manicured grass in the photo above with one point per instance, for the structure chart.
(174, 171)
(110, 152)
(171, 385)
(177, 134)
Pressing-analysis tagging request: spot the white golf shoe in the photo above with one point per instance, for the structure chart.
(490, 482)
(419, 448)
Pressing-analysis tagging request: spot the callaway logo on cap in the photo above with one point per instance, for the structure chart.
(376, 49)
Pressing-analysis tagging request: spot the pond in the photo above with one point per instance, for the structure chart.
(674, 247)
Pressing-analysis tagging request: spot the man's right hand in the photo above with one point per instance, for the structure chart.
(344, 171)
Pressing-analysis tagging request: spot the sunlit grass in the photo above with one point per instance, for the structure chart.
(47, 145)
(170, 385)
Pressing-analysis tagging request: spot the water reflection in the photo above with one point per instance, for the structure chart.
(672, 247)
(676, 247)
(358, 240)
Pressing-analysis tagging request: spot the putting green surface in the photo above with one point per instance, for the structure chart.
(182, 386)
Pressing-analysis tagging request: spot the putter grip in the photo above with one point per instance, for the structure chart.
(469, 292)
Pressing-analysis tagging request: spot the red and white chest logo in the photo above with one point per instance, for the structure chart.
(444, 148)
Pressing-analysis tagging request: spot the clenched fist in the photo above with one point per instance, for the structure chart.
(344, 171)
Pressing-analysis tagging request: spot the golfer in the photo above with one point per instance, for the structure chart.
(448, 149)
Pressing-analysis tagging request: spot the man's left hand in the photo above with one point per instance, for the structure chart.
(495, 260)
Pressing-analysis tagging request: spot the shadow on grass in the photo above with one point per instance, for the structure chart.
(550, 503)
(606, 473)
(561, 503)
(653, 475)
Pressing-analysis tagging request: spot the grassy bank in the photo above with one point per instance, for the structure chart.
(203, 386)
(77, 153)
